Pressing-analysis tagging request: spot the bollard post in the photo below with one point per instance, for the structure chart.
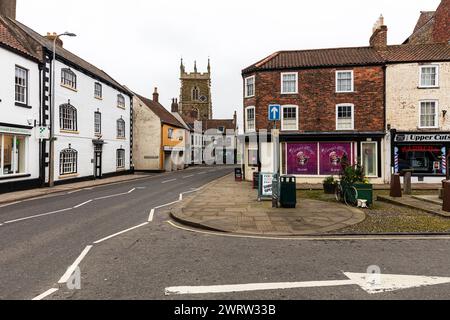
(396, 187)
(446, 197)
(407, 183)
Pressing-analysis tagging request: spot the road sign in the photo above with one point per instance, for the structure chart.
(43, 133)
(274, 112)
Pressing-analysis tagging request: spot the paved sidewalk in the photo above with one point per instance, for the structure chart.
(35, 193)
(229, 206)
(415, 186)
(429, 204)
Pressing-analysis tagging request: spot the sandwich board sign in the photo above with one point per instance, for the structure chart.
(265, 186)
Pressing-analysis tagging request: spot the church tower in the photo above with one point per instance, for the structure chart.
(195, 96)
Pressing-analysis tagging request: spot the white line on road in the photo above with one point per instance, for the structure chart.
(72, 268)
(82, 204)
(167, 181)
(38, 216)
(45, 294)
(186, 177)
(121, 232)
(116, 195)
(10, 204)
(202, 173)
(150, 217)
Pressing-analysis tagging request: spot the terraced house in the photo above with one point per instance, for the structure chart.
(382, 106)
(92, 130)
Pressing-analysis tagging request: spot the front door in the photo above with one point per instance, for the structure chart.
(98, 162)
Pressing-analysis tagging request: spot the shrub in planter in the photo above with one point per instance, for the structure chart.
(354, 176)
(329, 185)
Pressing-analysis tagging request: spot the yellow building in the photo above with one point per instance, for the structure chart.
(159, 139)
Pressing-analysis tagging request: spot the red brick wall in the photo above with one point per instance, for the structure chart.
(317, 98)
(441, 32)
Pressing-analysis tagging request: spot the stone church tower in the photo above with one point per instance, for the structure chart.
(195, 97)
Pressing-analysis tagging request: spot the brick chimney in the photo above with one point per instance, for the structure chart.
(235, 119)
(8, 8)
(52, 36)
(379, 36)
(441, 32)
(156, 95)
(175, 107)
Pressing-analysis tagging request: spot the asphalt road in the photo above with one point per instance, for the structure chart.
(41, 238)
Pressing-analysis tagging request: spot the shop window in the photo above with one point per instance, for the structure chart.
(428, 114)
(369, 151)
(68, 162)
(253, 158)
(289, 121)
(422, 159)
(429, 76)
(12, 153)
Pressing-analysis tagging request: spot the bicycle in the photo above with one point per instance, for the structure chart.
(347, 194)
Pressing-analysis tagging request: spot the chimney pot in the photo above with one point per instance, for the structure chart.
(156, 95)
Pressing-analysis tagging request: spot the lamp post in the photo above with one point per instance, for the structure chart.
(51, 175)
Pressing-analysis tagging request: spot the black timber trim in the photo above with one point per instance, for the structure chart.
(18, 126)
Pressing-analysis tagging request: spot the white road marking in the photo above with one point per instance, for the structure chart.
(132, 190)
(167, 181)
(82, 204)
(72, 268)
(141, 188)
(186, 177)
(115, 195)
(311, 238)
(202, 173)
(121, 232)
(37, 216)
(45, 294)
(74, 191)
(150, 217)
(368, 282)
(10, 204)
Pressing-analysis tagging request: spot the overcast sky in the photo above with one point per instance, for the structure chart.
(140, 42)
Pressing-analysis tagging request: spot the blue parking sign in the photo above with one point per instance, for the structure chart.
(274, 112)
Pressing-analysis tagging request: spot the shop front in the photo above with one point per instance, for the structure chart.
(311, 158)
(423, 154)
(19, 158)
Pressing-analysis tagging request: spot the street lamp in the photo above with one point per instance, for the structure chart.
(51, 176)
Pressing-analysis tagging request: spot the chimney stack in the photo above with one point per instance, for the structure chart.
(53, 36)
(156, 95)
(8, 8)
(175, 105)
(379, 36)
(235, 118)
(441, 32)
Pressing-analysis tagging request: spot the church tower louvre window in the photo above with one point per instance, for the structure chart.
(195, 93)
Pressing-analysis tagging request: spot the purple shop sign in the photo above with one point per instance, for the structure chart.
(331, 155)
(302, 159)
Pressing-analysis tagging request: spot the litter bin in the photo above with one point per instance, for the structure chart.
(255, 180)
(288, 192)
(238, 174)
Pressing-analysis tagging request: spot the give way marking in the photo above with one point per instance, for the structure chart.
(384, 283)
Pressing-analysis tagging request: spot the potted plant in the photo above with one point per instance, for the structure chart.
(329, 185)
(354, 176)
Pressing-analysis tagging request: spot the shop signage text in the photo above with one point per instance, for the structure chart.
(15, 130)
(422, 138)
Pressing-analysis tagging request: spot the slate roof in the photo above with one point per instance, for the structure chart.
(161, 112)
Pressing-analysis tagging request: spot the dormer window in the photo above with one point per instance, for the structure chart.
(68, 79)
(98, 92)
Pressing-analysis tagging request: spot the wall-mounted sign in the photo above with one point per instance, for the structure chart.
(332, 156)
(274, 112)
(12, 130)
(42, 133)
(302, 159)
(413, 137)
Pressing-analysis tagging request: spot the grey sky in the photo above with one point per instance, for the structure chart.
(140, 43)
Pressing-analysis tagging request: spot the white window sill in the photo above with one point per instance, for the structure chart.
(353, 91)
(285, 93)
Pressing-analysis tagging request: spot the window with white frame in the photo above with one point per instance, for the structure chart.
(68, 117)
(289, 120)
(121, 129)
(428, 114)
(97, 123)
(21, 85)
(98, 90)
(250, 87)
(345, 117)
(68, 159)
(289, 83)
(250, 119)
(344, 81)
(69, 78)
(429, 76)
(120, 159)
(121, 101)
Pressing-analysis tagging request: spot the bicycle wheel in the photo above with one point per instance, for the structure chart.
(338, 193)
(351, 196)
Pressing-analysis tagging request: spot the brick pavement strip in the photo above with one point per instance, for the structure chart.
(237, 210)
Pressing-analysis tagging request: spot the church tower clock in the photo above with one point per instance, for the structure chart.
(195, 96)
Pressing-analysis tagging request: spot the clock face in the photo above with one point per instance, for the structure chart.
(203, 99)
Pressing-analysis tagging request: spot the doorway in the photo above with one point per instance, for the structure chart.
(98, 160)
